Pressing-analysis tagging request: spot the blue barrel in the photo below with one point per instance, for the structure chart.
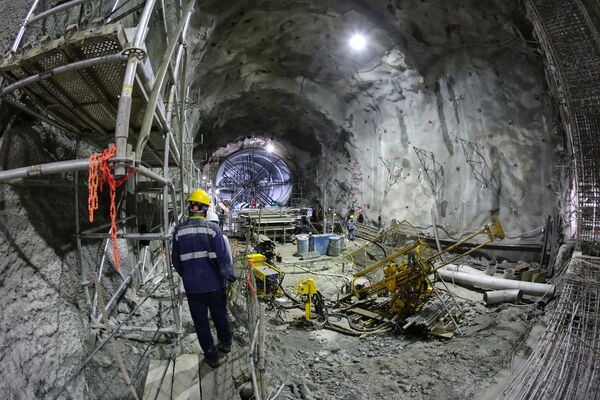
(319, 242)
(302, 246)
(334, 245)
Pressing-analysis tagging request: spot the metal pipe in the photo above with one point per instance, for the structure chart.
(102, 344)
(455, 245)
(45, 169)
(82, 271)
(176, 314)
(174, 148)
(464, 268)
(152, 175)
(462, 255)
(252, 366)
(57, 9)
(503, 296)
(158, 84)
(119, 291)
(24, 23)
(115, 5)
(490, 282)
(169, 114)
(147, 87)
(100, 271)
(260, 377)
(107, 225)
(74, 66)
(182, 83)
(137, 328)
(124, 110)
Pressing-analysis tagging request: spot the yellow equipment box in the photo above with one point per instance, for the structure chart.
(267, 276)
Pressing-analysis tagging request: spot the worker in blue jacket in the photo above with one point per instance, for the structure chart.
(200, 257)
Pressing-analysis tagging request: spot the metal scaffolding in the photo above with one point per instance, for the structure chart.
(571, 43)
(99, 83)
(566, 364)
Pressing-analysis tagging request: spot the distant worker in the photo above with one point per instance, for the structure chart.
(213, 217)
(200, 257)
(221, 219)
(350, 224)
(360, 218)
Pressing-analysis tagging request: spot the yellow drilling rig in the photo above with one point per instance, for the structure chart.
(405, 273)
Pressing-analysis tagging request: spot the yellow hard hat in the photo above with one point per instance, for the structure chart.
(352, 216)
(199, 196)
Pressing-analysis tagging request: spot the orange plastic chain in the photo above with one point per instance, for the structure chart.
(100, 173)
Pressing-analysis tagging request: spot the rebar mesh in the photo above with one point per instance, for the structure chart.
(566, 362)
(572, 47)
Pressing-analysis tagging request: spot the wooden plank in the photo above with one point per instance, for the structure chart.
(369, 314)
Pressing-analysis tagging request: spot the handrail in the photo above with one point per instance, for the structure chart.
(74, 66)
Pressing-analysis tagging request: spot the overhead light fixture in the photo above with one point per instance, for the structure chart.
(357, 42)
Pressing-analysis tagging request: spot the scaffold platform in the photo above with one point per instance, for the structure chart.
(78, 78)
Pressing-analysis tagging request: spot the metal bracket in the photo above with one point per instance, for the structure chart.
(140, 54)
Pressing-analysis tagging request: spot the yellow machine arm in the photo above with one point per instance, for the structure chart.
(406, 280)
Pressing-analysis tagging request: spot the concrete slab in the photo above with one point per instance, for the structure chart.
(185, 384)
(153, 384)
(191, 378)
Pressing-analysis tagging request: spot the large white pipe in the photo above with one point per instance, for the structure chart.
(463, 268)
(502, 296)
(490, 282)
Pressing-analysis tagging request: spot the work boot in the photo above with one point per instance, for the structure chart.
(223, 348)
(213, 361)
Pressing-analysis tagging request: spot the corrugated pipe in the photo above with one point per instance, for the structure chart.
(503, 296)
(490, 282)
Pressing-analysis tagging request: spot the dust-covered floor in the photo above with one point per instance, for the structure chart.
(315, 363)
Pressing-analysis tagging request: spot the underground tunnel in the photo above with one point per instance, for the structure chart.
(386, 199)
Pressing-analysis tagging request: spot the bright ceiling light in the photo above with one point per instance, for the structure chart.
(357, 42)
(270, 148)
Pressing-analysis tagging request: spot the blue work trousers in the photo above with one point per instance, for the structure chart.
(200, 304)
(351, 234)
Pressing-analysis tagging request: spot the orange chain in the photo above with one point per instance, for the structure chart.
(100, 173)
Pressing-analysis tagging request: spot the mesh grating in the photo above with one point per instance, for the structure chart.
(572, 46)
(88, 98)
(566, 364)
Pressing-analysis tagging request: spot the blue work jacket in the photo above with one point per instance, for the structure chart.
(200, 256)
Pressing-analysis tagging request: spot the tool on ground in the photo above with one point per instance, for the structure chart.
(267, 277)
(308, 288)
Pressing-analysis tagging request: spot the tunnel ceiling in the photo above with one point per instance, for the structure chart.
(290, 119)
(260, 60)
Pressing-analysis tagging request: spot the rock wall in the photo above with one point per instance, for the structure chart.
(43, 321)
(431, 73)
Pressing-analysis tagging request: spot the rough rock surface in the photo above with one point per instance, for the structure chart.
(322, 364)
(432, 73)
(334, 366)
